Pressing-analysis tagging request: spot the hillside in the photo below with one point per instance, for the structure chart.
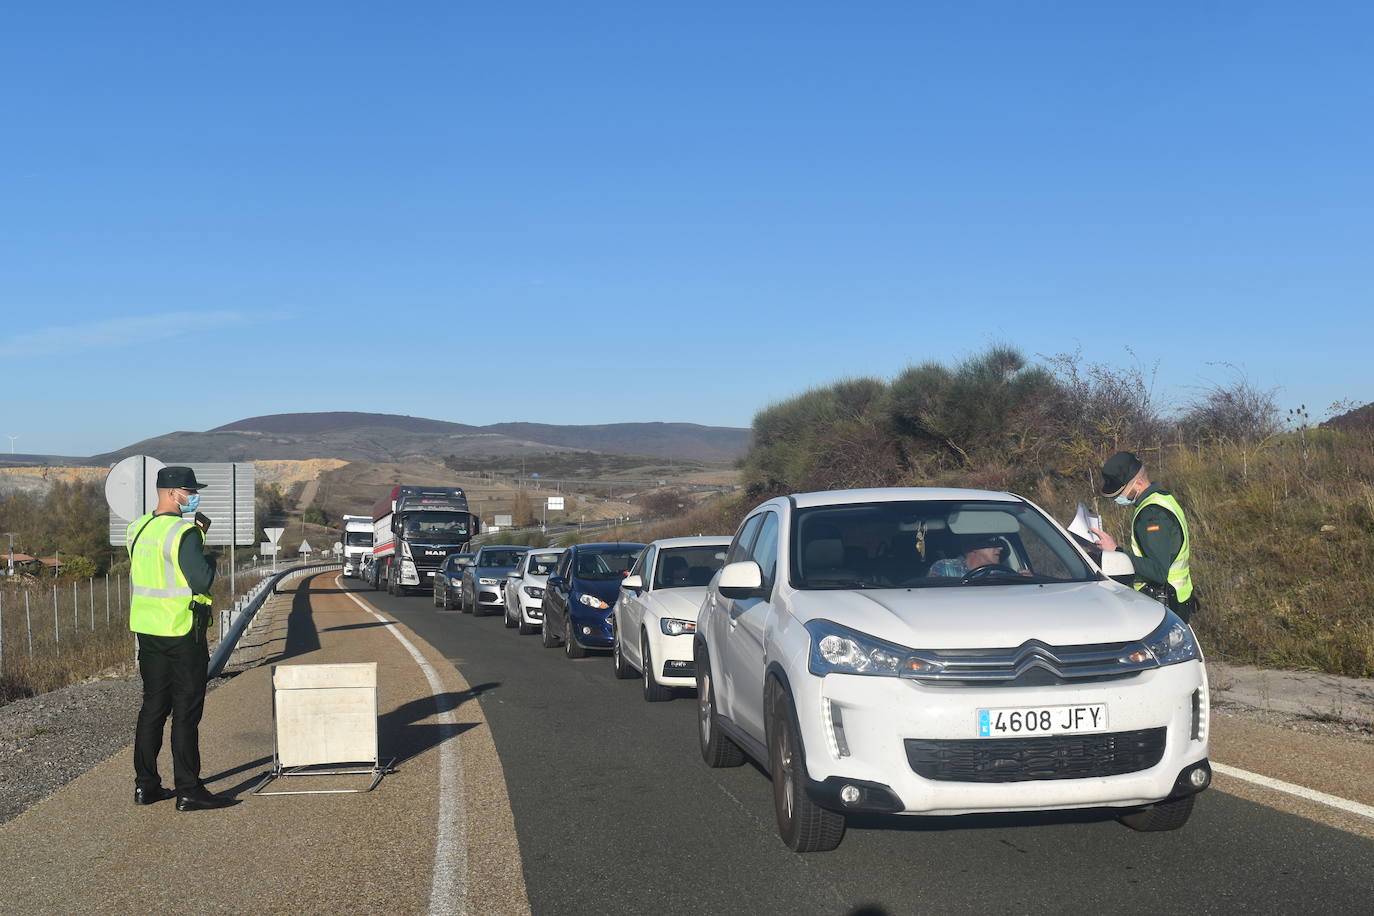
(392, 438)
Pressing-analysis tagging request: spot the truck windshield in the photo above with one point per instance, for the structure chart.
(358, 539)
(436, 527)
(932, 544)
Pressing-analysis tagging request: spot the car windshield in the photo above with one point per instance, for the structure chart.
(457, 561)
(499, 557)
(358, 539)
(437, 527)
(930, 544)
(605, 565)
(542, 564)
(679, 567)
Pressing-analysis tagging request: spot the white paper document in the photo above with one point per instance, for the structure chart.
(1084, 520)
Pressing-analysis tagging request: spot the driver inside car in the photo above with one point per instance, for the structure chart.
(978, 551)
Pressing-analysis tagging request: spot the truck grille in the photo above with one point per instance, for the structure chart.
(1026, 759)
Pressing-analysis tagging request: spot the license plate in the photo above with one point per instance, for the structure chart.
(1021, 721)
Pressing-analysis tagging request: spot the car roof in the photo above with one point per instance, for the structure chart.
(504, 547)
(897, 494)
(715, 541)
(615, 545)
(547, 549)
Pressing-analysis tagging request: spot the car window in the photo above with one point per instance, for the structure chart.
(645, 564)
(765, 550)
(680, 567)
(930, 543)
(606, 564)
(744, 539)
(541, 564)
(500, 557)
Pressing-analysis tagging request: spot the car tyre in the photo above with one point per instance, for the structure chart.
(435, 596)
(447, 601)
(463, 604)
(546, 635)
(511, 621)
(526, 629)
(571, 646)
(716, 749)
(803, 825)
(654, 692)
(1165, 815)
(623, 670)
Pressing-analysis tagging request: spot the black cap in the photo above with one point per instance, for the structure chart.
(979, 541)
(1119, 470)
(178, 477)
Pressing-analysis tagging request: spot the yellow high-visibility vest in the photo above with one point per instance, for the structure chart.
(162, 598)
(1180, 573)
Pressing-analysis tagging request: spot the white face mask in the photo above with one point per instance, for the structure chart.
(1122, 500)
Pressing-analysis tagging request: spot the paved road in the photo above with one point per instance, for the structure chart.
(616, 813)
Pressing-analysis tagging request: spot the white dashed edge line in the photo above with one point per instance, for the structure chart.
(448, 891)
(1278, 785)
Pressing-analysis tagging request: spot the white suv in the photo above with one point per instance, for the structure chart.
(940, 651)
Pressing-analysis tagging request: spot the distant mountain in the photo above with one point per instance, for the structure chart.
(1361, 419)
(390, 437)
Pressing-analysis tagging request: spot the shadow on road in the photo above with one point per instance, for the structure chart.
(301, 635)
(404, 734)
(356, 626)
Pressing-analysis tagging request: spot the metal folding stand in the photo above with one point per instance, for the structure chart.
(324, 717)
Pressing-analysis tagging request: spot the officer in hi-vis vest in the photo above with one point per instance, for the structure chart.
(1160, 547)
(170, 579)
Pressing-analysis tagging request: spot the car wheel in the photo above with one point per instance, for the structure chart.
(571, 646)
(622, 667)
(511, 621)
(463, 604)
(654, 692)
(526, 628)
(435, 596)
(546, 635)
(716, 749)
(1165, 815)
(447, 601)
(803, 825)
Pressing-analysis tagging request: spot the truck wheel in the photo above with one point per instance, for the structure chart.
(716, 749)
(803, 825)
(1165, 815)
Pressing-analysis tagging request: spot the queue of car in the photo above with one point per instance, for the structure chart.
(904, 651)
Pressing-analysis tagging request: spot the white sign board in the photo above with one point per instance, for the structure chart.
(503, 521)
(227, 498)
(267, 548)
(273, 534)
(325, 713)
(305, 547)
(555, 503)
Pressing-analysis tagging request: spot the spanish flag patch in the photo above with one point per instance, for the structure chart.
(1151, 527)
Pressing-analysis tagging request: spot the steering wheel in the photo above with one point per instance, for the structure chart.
(991, 569)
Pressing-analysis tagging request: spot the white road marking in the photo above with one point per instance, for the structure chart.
(1278, 785)
(448, 891)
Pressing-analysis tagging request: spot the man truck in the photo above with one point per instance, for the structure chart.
(414, 530)
(356, 538)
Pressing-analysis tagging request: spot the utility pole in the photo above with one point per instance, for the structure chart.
(10, 535)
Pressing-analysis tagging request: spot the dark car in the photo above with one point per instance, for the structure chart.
(484, 582)
(581, 593)
(448, 580)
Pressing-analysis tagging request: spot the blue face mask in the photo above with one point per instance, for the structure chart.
(1121, 500)
(192, 504)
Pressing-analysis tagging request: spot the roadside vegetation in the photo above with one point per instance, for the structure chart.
(1281, 511)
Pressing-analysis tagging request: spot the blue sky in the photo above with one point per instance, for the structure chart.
(606, 212)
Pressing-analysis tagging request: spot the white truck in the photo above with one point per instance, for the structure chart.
(356, 538)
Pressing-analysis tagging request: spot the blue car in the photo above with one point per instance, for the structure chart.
(581, 593)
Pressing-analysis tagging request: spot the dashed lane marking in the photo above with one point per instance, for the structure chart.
(448, 890)
(1278, 785)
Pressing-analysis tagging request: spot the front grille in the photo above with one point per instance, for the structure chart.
(1032, 664)
(1026, 759)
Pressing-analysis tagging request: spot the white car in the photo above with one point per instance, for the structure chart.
(940, 652)
(657, 612)
(524, 590)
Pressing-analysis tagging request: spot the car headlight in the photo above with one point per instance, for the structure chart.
(672, 626)
(485, 581)
(840, 650)
(1172, 641)
(534, 591)
(593, 601)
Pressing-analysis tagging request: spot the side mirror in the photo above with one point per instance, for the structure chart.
(556, 582)
(741, 580)
(1116, 565)
(633, 583)
(515, 575)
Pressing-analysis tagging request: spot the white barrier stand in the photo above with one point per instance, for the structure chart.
(324, 716)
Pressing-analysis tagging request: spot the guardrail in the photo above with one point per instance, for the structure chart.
(233, 623)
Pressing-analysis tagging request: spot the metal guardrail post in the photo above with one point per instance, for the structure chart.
(239, 621)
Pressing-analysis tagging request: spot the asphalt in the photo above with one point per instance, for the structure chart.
(88, 849)
(565, 793)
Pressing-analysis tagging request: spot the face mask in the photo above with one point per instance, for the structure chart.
(1121, 500)
(192, 504)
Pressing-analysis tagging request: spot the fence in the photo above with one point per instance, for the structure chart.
(55, 632)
